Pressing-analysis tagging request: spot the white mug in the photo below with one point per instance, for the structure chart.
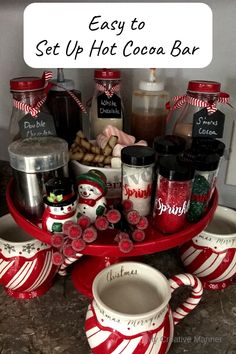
(130, 310)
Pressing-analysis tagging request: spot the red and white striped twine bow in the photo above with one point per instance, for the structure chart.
(211, 107)
(108, 92)
(34, 111)
(47, 75)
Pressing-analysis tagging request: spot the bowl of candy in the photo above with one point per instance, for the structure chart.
(102, 154)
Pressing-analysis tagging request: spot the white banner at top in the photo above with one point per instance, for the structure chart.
(118, 35)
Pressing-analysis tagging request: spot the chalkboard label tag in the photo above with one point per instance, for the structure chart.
(32, 127)
(210, 126)
(108, 107)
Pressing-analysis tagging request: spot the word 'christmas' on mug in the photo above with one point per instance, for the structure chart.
(130, 311)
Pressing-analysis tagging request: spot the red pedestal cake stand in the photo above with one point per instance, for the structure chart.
(105, 251)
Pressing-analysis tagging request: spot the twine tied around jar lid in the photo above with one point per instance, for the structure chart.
(210, 106)
(108, 92)
(34, 111)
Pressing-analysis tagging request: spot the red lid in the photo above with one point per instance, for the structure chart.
(107, 74)
(204, 86)
(27, 83)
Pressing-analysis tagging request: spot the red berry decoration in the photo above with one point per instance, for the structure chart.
(66, 226)
(133, 217)
(121, 236)
(138, 235)
(125, 245)
(78, 245)
(143, 223)
(75, 231)
(57, 240)
(57, 258)
(90, 234)
(101, 223)
(84, 221)
(113, 216)
(127, 204)
(68, 251)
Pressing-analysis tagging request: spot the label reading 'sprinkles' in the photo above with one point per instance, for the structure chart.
(109, 107)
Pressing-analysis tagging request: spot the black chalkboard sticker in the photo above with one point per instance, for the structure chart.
(108, 107)
(42, 125)
(211, 126)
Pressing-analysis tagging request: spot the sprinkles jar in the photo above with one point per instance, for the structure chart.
(137, 176)
(173, 193)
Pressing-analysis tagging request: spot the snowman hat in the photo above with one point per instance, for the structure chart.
(59, 192)
(95, 178)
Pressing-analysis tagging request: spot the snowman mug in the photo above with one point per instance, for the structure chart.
(26, 268)
(130, 311)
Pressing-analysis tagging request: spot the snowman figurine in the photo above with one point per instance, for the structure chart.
(92, 189)
(60, 204)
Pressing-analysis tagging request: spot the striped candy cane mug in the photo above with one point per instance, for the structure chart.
(26, 268)
(130, 311)
(211, 255)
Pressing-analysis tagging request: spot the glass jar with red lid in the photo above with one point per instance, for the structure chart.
(200, 112)
(106, 107)
(29, 96)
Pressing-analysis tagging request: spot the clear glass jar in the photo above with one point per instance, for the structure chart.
(107, 106)
(27, 93)
(137, 176)
(206, 171)
(200, 94)
(149, 111)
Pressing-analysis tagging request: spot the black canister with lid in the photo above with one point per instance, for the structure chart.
(137, 176)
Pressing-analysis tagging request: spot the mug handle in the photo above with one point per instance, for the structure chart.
(192, 301)
(67, 262)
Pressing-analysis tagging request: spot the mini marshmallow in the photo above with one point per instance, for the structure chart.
(115, 162)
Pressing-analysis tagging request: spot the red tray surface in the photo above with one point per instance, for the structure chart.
(105, 245)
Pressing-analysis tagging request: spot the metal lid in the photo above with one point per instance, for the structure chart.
(107, 74)
(30, 83)
(204, 86)
(38, 154)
